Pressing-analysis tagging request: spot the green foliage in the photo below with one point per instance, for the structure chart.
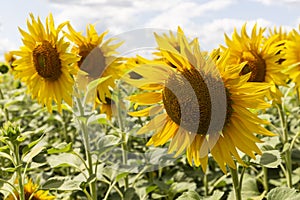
(283, 193)
(52, 153)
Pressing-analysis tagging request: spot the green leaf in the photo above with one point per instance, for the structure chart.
(283, 193)
(267, 147)
(96, 119)
(5, 186)
(249, 187)
(106, 143)
(150, 188)
(93, 84)
(9, 169)
(64, 149)
(121, 176)
(182, 186)
(62, 184)
(296, 156)
(159, 196)
(216, 195)
(161, 185)
(64, 159)
(35, 150)
(6, 155)
(130, 194)
(286, 147)
(189, 195)
(31, 144)
(270, 159)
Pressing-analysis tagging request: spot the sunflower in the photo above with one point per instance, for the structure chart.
(261, 55)
(9, 58)
(281, 36)
(187, 103)
(32, 192)
(44, 63)
(174, 40)
(292, 56)
(98, 60)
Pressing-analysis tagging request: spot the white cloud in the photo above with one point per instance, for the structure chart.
(124, 15)
(183, 13)
(120, 16)
(281, 2)
(117, 16)
(211, 34)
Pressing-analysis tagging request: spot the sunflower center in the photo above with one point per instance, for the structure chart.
(46, 61)
(229, 109)
(256, 65)
(92, 61)
(193, 103)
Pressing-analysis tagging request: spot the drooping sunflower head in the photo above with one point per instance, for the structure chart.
(199, 107)
(9, 58)
(260, 54)
(32, 192)
(292, 56)
(98, 60)
(45, 64)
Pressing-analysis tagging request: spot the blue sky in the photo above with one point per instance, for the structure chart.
(206, 19)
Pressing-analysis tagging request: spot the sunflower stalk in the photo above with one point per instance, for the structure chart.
(265, 179)
(285, 141)
(86, 141)
(124, 137)
(19, 170)
(242, 177)
(205, 183)
(111, 186)
(236, 184)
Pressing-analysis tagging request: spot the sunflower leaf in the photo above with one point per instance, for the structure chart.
(189, 195)
(93, 84)
(65, 148)
(37, 148)
(64, 160)
(62, 184)
(106, 143)
(270, 159)
(96, 119)
(280, 193)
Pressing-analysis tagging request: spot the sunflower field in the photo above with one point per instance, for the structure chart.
(81, 121)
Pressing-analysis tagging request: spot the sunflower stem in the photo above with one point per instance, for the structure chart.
(111, 186)
(285, 141)
(236, 185)
(86, 141)
(205, 183)
(19, 171)
(242, 177)
(125, 157)
(123, 137)
(265, 179)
